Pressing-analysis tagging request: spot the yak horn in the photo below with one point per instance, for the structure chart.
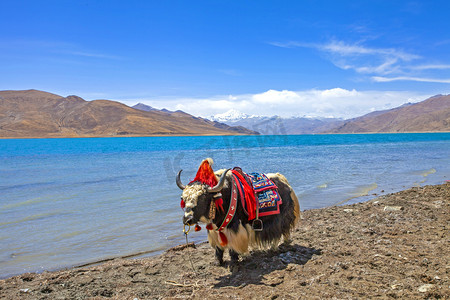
(180, 185)
(219, 185)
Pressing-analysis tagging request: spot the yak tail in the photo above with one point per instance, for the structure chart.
(294, 199)
(296, 207)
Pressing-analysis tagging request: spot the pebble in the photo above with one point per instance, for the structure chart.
(24, 290)
(393, 208)
(425, 288)
(438, 204)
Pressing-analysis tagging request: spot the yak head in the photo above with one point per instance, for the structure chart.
(200, 193)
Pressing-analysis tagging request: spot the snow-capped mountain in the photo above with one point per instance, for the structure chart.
(275, 124)
(229, 116)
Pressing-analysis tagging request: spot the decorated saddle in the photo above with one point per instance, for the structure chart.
(265, 194)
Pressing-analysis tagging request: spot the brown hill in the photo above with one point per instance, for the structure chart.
(37, 114)
(235, 129)
(429, 115)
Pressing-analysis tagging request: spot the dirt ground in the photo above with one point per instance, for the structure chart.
(395, 246)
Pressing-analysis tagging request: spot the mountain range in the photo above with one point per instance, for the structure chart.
(277, 125)
(430, 115)
(233, 128)
(38, 114)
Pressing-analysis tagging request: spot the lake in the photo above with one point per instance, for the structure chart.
(66, 202)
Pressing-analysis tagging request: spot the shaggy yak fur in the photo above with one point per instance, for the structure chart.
(239, 233)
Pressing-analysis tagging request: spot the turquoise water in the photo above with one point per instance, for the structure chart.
(65, 202)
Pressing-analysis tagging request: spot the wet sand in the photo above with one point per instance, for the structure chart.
(394, 246)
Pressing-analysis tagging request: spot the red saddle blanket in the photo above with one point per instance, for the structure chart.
(257, 190)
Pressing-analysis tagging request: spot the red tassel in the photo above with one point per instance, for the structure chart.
(182, 204)
(205, 174)
(219, 203)
(209, 226)
(222, 239)
(197, 227)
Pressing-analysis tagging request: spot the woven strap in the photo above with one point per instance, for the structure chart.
(232, 208)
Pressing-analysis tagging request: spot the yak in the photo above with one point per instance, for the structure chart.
(230, 213)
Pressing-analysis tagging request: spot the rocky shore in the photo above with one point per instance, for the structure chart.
(395, 246)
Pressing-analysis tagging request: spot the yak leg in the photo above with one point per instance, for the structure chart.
(219, 256)
(234, 256)
(287, 238)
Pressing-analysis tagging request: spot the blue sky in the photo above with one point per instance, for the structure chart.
(291, 58)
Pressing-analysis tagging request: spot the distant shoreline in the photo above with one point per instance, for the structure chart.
(123, 136)
(231, 134)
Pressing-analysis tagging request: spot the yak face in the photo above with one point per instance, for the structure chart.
(197, 197)
(197, 201)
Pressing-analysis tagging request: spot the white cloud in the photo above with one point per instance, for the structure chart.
(376, 62)
(338, 92)
(90, 54)
(430, 67)
(366, 60)
(276, 97)
(292, 44)
(53, 47)
(341, 48)
(406, 78)
(336, 102)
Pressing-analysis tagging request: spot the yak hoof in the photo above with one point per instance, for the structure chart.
(217, 263)
(219, 256)
(234, 256)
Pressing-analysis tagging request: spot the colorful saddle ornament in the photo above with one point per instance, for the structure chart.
(256, 191)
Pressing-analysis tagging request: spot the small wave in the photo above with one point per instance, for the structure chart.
(68, 235)
(26, 185)
(37, 200)
(23, 203)
(360, 192)
(428, 172)
(172, 237)
(171, 221)
(163, 210)
(424, 174)
(32, 218)
(106, 180)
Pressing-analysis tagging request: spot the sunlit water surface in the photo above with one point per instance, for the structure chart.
(66, 202)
